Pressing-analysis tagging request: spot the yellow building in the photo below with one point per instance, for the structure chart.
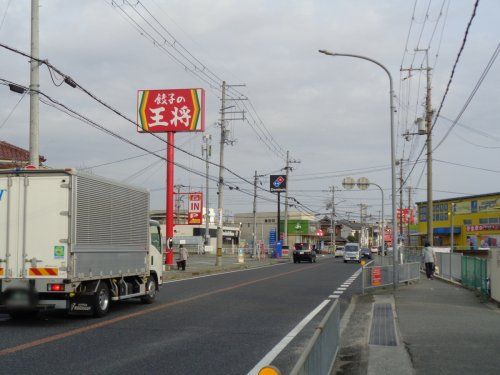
(476, 221)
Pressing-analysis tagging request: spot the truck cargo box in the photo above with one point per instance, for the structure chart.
(71, 225)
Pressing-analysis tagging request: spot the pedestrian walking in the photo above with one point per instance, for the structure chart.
(429, 259)
(183, 256)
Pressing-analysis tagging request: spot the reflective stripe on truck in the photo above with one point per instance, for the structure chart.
(43, 272)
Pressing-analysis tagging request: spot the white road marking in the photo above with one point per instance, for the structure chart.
(341, 288)
(269, 357)
(334, 296)
(338, 292)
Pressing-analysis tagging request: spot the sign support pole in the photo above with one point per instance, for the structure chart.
(169, 209)
(278, 234)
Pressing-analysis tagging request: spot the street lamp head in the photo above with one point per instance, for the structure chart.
(326, 52)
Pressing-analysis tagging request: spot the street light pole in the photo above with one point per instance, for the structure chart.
(393, 155)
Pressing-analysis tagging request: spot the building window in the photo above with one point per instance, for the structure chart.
(440, 212)
(494, 220)
(483, 220)
(467, 222)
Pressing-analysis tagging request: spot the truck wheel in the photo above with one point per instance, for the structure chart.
(151, 290)
(101, 300)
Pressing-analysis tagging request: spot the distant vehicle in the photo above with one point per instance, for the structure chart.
(366, 253)
(352, 252)
(339, 251)
(375, 249)
(304, 252)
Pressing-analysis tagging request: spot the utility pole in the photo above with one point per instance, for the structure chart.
(254, 231)
(34, 86)
(206, 150)
(287, 168)
(428, 122)
(428, 131)
(333, 234)
(178, 199)
(220, 190)
(400, 163)
(361, 213)
(409, 215)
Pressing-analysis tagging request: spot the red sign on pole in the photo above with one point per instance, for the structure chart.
(195, 211)
(171, 110)
(376, 276)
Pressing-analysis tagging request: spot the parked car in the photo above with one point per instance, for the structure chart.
(375, 249)
(352, 252)
(366, 253)
(339, 251)
(303, 252)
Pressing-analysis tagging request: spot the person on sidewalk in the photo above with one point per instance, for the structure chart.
(183, 255)
(429, 259)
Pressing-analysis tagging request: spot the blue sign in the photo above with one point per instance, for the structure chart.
(1, 193)
(272, 237)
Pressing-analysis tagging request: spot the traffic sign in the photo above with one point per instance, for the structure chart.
(277, 183)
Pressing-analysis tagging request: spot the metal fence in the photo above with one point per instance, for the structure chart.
(321, 351)
(449, 266)
(475, 273)
(374, 276)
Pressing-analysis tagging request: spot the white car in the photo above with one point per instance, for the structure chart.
(374, 249)
(352, 251)
(339, 251)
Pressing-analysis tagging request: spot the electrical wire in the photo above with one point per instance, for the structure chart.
(471, 95)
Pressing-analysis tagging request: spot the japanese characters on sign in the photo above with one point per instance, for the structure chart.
(195, 211)
(407, 215)
(171, 110)
(480, 227)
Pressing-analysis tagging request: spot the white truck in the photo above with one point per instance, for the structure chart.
(75, 242)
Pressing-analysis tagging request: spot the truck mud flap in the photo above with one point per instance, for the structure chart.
(81, 305)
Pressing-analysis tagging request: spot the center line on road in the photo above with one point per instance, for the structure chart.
(76, 331)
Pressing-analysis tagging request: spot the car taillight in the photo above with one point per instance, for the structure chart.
(55, 287)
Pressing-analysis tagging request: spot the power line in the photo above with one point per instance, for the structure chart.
(474, 90)
(457, 59)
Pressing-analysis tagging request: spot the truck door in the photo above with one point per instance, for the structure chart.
(46, 228)
(34, 226)
(9, 216)
(155, 251)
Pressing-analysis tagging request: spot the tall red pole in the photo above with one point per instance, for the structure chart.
(170, 185)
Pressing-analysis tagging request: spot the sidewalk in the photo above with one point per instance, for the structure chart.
(439, 328)
(198, 264)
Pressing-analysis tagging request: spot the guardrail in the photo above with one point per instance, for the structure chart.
(374, 276)
(321, 351)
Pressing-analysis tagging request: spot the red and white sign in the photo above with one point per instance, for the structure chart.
(195, 211)
(319, 233)
(406, 215)
(171, 110)
(376, 276)
(475, 228)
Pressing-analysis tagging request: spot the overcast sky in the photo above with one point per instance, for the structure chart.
(331, 113)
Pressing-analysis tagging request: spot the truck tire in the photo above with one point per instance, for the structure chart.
(151, 291)
(102, 300)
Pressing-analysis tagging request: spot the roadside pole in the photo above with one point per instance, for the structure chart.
(285, 228)
(452, 240)
(34, 86)
(207, 151)
(254, 234)
(220, 190)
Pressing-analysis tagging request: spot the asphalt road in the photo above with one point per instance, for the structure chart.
(222, 324)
